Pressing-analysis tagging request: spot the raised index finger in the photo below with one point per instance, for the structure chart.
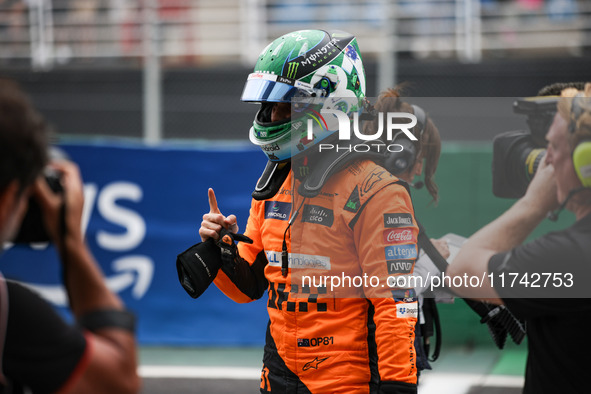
(213, 204)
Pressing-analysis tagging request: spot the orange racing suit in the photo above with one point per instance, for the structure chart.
(356, 339)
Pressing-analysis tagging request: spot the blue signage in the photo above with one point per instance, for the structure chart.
(143, 206)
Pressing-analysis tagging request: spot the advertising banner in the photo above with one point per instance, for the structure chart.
(143, 206)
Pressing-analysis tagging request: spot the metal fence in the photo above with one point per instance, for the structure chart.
(149, 35)
(48, 33)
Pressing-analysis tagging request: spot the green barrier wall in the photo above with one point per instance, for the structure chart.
(466, 203)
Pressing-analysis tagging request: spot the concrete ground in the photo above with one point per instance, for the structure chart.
(237, 371)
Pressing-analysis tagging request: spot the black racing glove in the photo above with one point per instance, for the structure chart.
(229, 250)
(198, 266)
(248, 278)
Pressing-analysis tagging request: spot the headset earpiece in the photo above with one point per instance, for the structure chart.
(400, 162)
(421, 119)
(582, 162)
(582, 152)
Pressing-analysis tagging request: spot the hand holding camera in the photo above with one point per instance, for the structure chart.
(62, 210)
(517, 154)
(541, 192)
(58, 187)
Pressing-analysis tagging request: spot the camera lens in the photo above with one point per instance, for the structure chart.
(32, 227)
(516, 158)
(532, 161)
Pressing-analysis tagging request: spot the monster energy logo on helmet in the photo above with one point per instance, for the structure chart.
(292, 69)
(296, 55)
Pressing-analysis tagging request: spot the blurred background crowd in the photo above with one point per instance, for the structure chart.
(189, 57)
(207, 32)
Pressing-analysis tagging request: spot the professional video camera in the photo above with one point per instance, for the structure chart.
(517, 154)
(32, 227)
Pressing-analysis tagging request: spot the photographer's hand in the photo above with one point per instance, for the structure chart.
(505, 233)
(72, 199)
(214, 221)
(97, 308)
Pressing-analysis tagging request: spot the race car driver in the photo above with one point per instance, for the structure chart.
(318, 214)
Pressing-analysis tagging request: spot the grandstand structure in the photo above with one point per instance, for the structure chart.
(51, 33)
(175, 58)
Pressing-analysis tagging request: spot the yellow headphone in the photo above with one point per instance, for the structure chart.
(582, 152)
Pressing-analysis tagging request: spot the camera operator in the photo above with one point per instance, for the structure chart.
(561, 181)
(40, 352)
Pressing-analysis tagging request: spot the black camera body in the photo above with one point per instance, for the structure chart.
(32, 228)
(517, 154)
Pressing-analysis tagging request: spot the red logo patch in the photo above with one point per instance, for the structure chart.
(398, 236)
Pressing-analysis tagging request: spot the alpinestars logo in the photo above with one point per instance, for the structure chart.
(314, 363)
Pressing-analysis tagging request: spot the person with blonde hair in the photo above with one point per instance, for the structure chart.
(546, 281)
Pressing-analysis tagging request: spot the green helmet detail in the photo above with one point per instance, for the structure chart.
(312, 70)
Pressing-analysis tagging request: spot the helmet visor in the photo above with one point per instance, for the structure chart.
(262, 87)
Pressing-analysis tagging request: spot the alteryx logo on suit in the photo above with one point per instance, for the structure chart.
(400, 252)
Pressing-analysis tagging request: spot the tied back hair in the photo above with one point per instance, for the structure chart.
(428, 144)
